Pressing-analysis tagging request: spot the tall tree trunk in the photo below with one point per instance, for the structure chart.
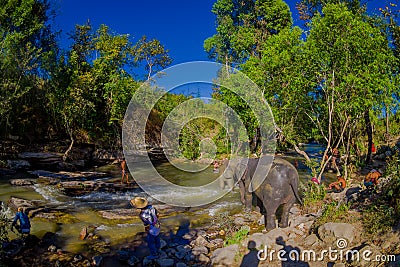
(71, 137)
(368, 129)
(387, 124)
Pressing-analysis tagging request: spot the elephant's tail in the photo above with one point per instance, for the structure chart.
(295, 188)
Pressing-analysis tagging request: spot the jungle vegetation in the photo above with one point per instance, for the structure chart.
(334, 79)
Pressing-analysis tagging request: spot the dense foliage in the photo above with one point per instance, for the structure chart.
(332, 81)
(80, 93)
(335, 79)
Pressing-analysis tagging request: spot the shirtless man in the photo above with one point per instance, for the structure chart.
(372, 178)
(124, 172)
(216, 166)
(337, 186)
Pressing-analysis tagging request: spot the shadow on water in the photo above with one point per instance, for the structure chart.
(251, 258)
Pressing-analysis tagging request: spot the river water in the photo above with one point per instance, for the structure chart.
(84, 209)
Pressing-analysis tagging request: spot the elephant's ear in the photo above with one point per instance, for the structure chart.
(241, 167)
(260, 173)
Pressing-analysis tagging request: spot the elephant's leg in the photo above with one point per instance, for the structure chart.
(248, 196)
(270, 216)
(230, 183)
(222, 183)
(285, 213)
(242, 192)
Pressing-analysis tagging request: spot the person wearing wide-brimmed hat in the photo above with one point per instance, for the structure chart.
(149, 216)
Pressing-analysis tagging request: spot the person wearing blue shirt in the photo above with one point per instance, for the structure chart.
(24, 226)
(149, 217)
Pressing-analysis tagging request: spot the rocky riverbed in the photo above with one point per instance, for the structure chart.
(204, 245)
(188, 242)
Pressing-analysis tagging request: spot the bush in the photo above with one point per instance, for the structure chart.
(223, 221)
(238, 236)
(5, 223)
(384, 211)
(378, 219)
(333, 212)
(313, 195)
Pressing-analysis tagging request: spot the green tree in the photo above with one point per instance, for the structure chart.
(153, 54)
(70, 98)
(90, 94)
(93, 83)
(27, 49)
(309, 8)
(243, 26)
(350, 64)
(390, 18)
(280, 75)
(113, 85)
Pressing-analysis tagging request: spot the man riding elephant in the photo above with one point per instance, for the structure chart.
(273, 188)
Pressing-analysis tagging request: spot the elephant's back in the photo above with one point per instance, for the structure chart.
(281, 161)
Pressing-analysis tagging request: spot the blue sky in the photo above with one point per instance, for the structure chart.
(181, 25)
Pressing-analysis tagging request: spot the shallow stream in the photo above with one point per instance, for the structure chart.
(84, 209)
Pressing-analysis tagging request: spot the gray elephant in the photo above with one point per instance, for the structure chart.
(280, 186)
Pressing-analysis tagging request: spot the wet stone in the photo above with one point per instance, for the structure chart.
(199, 250)
(163, 244)
(21, 182)
(180, 255)
(200, 241)
(203, 258)
(132, 261)
(77, 258)
(97, 260)
(18, 164)
(15, 202)
(165, 262)
(184, 249)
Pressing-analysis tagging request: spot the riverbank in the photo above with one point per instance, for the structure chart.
(204, 245)
(96, 204)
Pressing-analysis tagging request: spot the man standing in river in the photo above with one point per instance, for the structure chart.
(124, 172)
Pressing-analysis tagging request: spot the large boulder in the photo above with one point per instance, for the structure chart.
(21, 182)
(259, 239)
(273, 239)
(14, 202)
(224, 256)
(66, 175)
(18, 164)
(42, 159)
(331, 232)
